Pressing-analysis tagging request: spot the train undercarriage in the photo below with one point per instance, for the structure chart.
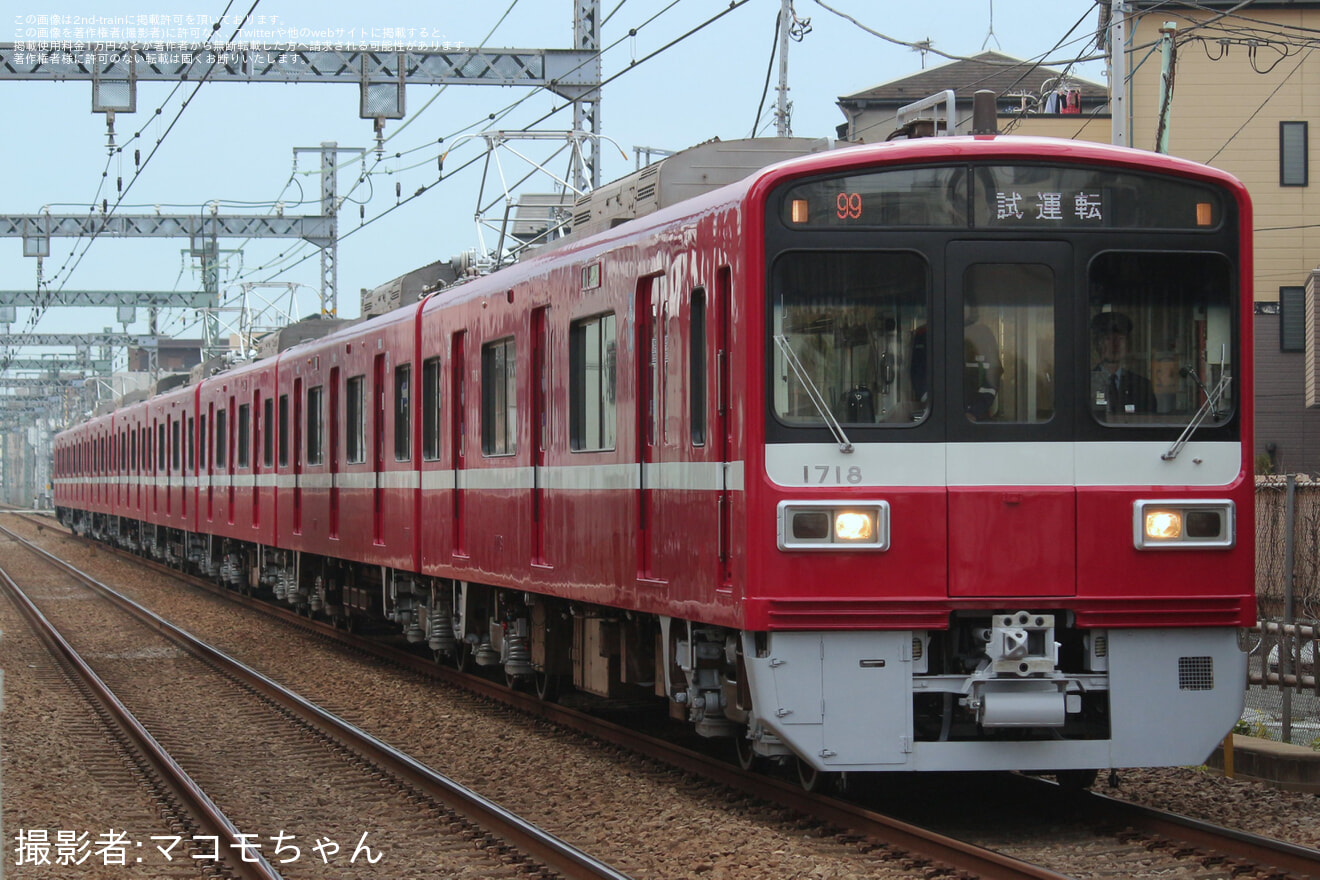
(1015, 689)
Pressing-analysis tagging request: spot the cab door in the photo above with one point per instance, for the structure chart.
(1012, 502)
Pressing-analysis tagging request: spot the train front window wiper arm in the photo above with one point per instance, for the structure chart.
(817, 400)
(1210, 406)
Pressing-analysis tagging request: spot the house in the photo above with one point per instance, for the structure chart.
(1060, 104)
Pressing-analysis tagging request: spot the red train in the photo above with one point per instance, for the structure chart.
(930, 455)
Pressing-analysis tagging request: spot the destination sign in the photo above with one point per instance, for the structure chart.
(1003, 196)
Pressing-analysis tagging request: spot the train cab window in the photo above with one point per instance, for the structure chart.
(849, 338)
(244, 434)
(284, 430)
(591, 394)
(431, 409)
(268, 432)
(403, 412)
(356, 439)
(220, 436)
(315, 432)
(1008, 343)
(499, 398)
(1160, 328)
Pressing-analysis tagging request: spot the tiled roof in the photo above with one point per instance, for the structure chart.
(1001, 73)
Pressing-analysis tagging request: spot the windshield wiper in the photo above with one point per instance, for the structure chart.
(1209, 407)
(817, 400)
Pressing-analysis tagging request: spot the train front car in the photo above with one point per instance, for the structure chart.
(1004, 516)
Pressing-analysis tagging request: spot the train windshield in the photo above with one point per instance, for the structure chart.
(843, 325)
(1160, 329)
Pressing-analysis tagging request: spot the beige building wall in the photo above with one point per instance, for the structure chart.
(1226, 113)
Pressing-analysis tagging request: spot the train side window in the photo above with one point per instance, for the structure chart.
(160, 447)
(403, 412)
(592, 420)
(431, 409)
(176, 446)
(356, 441)
(315, 434)
(244, 433)
(499, 398)
(284, 430)
(268, 432)
(192, 447)
(220, 434)
(697, 368)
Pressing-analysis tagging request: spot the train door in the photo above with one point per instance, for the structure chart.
(723, 314)
(297, 454)
(1010, 456)
(458, 450)
(378, 450)
(540, 429)
(334, 452)
(649, 311)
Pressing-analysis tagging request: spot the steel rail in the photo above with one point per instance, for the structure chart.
(1263, 851)
(919, 842)
(172, 776)
(542, 846)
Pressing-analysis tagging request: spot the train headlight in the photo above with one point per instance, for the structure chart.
(1163, 525)
(1184, 524)
(854, 526)
(833, 525)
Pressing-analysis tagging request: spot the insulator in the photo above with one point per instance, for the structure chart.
(398, 188)
(119, 183)
(137, 158)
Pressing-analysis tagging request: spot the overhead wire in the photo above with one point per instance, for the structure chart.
(733, 5)
(38, 312)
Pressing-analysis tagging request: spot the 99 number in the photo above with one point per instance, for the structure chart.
(848, 206)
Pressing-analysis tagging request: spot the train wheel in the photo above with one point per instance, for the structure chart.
(462, 657)
(547, 686)
(1075, 780)
(748, 759)
(813, 780)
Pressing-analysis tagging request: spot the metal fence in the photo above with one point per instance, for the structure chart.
(1283, 696)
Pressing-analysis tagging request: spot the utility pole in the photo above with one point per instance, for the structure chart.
(1118, 109)
(1167, 59)
(783, 127)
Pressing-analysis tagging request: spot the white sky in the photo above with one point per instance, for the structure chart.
(235, 141)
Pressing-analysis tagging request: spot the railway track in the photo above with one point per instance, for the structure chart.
(264, 717)
(1169, 840)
